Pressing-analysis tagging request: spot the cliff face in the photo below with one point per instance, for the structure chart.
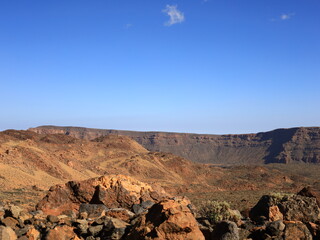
(278, 146)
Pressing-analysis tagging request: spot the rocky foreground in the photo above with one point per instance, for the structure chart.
(121, 207)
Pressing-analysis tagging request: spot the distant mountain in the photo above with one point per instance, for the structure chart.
(278, 146)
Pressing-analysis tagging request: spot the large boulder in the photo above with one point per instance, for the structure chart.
(114, 191)
(296, 231)
(310, 192)
(168, 219)
(286, 207)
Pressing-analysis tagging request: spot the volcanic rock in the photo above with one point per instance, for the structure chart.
(114, 191)
(296, 231)
(168, 219)
(291, 207)
(226, 230)
(309, 192)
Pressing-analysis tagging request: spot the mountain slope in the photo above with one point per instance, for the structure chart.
(278, 146)
(30, 162)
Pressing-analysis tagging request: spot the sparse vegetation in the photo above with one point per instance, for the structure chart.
(216, 211)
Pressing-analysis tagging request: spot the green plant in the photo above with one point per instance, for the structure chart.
(280, 195)
(216, 211)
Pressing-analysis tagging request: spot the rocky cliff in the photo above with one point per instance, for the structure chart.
(277, 146)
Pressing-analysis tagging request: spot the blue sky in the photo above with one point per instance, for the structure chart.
(215, 66)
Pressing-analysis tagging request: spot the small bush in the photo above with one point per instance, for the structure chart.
(216, 211)
(280, 195)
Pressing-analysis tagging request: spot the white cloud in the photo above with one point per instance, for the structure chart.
(286, 16)
(174, 14)
(128, 25)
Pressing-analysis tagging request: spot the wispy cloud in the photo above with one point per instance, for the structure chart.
(286, 16)
(128, 25)
(175, 16)
(283, 17)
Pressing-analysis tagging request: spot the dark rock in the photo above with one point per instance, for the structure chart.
(21, 231)
(314, 229)
(226, 230)
(296, 230)
(262, 207)
(95, 230)
(147, 204)
(93, 210)
(290, 208)
(310, 192)
(299, 208)
(138, 209)
(275, 228)
(114, 229)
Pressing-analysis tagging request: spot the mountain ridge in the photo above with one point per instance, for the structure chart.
(285, 145)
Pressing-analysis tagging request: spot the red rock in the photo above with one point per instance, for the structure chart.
(275, 214)
(168, 219)
(114, 191)
(61, 233)
(120, 213)
(33, 234)
(10, 222)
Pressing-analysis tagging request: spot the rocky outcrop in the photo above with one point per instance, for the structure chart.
(278, 146)
(168, 219)
(113, 191)
(286, 207)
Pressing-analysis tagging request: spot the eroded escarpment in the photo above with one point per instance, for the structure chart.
(278, 146)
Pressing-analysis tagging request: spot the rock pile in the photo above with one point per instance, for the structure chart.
(120, 207)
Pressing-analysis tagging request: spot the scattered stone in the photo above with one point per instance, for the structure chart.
(53, 219)
(275, 214)
(138, 209)
(147, 204)
(114, 229)
(120, 213)
(10, 222)
(81, 226)
(61, 233)
(33, 234)
(95, 230)
(93, 210)
(6, 233)
(13, 211)
(275, 228)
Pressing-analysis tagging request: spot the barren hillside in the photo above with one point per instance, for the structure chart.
(278, 146)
